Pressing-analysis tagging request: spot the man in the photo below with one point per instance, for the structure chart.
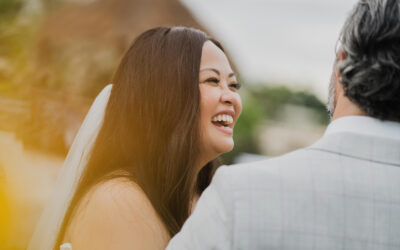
(343, 192)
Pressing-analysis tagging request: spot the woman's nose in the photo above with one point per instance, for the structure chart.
(227, 97)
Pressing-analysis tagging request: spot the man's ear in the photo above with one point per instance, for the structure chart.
(342, 56)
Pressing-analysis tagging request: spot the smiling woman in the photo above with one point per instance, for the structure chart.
(220, 103)
(171, 112)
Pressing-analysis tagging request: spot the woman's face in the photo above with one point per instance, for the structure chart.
(220, 103)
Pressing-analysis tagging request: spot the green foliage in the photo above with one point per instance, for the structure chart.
(16, 39)
(264, 102)
(272, 98)
(9, 9)
(8, 13)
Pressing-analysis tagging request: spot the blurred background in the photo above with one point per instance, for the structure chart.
(56, 55)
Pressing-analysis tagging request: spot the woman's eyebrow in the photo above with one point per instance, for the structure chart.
(212, 69)
(232, 74)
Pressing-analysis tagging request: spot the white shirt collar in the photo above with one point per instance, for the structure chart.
(366, 126)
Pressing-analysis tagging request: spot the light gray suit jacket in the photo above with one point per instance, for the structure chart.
(343, 192)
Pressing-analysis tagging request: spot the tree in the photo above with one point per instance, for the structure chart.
(264, 102)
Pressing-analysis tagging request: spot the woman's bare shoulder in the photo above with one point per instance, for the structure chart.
(121, 193)
(116, 214)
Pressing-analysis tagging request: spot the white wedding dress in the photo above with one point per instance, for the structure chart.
(49, 225)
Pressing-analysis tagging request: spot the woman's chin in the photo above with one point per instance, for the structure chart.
(225, 147)
(217, 147)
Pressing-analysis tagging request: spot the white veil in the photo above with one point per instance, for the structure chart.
(49, 224)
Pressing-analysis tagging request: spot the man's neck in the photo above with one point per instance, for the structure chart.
(345, 107)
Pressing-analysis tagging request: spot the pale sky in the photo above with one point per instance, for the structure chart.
(282, 41)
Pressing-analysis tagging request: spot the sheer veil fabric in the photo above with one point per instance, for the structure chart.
(49, 224)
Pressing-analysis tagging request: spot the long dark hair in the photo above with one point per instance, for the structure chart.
(151, 126)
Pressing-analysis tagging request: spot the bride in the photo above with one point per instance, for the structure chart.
(145, 151)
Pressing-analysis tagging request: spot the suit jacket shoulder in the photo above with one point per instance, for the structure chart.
(340, 193)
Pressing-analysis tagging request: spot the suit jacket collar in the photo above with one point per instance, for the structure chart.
(370, 148)
(365, 125)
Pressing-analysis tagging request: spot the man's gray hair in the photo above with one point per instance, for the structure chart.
(370, 73)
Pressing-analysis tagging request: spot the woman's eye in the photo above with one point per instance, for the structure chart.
(235, 86)
(213, 80)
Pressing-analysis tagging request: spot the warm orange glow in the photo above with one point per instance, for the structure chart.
(4, 216)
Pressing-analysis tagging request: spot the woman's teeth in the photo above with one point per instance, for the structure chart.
(227, 119)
